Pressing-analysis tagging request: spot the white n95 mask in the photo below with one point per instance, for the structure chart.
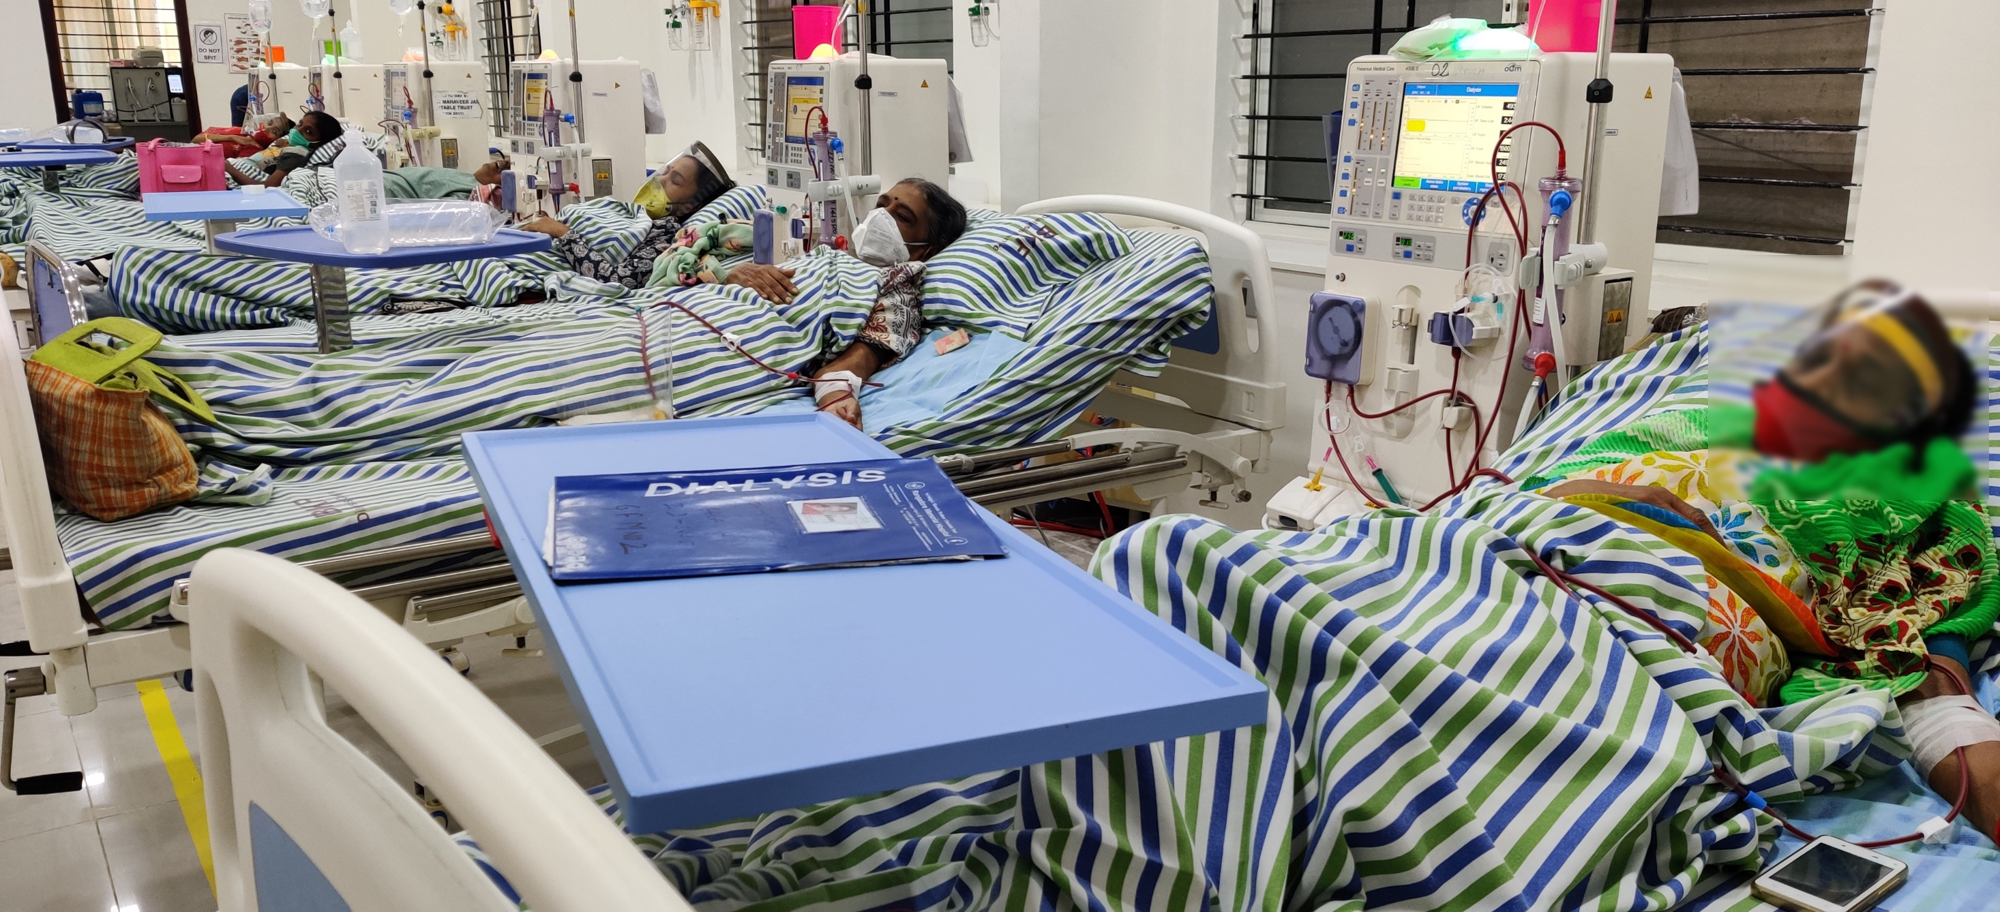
(878, 240)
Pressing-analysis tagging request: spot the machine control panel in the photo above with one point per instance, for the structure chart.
(797, 97)
(1416, 150)
(1421, 248)
(1350, 240)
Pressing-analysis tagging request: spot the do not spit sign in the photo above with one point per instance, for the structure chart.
(207, 42)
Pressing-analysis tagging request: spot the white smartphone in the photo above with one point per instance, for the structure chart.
(1830, 875)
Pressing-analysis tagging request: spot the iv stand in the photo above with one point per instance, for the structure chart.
(1598, 95)
(575, 82)
(424, 33)
(865, 160)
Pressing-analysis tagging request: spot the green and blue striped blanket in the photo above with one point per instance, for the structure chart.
(415, 382)
(1446, 730)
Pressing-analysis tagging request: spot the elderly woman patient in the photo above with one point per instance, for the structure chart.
(1839, 511)
(911, 222)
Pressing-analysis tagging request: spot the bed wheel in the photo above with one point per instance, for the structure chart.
(185, 679)
(455, 657)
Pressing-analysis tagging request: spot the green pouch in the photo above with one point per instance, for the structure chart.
(119, 365)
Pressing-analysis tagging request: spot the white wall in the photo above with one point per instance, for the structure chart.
(977, 73)
(381, 40)
(1132, 114)
(698, 88)
(1930, 208)
(24, 70)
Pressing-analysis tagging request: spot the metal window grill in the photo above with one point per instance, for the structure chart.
(765, 35)
(506, 35)
(85, 36)
(1299, 51)
(1775, 92)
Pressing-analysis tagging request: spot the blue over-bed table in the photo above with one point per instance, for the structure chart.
(816, 685)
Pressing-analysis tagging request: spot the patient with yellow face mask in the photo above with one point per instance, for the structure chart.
(679, 190)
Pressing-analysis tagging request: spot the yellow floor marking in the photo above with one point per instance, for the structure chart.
(180, 769)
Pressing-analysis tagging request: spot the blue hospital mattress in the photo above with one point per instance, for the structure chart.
(924, 383)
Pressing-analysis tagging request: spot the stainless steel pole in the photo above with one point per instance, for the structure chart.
(1599, 95)
(429, 118)
(575, 75)
(865, 160)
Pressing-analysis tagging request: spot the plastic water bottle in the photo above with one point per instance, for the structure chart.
(763, 231)
(364, 219)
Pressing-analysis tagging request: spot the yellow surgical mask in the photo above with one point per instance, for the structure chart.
(653, 198)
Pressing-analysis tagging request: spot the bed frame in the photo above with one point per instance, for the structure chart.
(439, 609)
(1206, 421)
(300, 818)
(1204, 424)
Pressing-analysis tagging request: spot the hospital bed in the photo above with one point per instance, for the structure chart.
(299, 818)
(1358, 622)
(1353, 748)
(408, 534)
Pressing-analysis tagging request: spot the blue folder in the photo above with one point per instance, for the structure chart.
(660, 525)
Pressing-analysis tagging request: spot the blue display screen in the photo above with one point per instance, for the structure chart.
(1448, 133)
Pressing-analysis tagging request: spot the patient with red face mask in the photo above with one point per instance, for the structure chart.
(1845, 487)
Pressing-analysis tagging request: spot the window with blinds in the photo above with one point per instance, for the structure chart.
(508, 31)
(902, 28)
(86, 36)
(1299, 54)
(1775, 89)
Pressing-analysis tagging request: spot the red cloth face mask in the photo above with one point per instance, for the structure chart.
(1789, 425)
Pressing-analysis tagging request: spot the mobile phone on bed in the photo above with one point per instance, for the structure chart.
(1830, 875)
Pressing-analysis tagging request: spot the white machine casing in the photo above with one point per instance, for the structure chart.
(1402, 250)
(613, 115)
(460, 142)
(910, 115)
(289, 85)
(351, 91)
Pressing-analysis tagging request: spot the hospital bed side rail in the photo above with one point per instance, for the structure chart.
(1228, 385)
(437, 609)
(282, 785)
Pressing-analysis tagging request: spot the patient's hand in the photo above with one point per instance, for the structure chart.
(773, 284)
(1659, 497)
(847, 409)
(542, 224)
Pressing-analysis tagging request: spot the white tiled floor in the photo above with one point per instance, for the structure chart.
(122, 845)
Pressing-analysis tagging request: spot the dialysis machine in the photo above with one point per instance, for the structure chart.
(565, 154)
(347, 91)
(444, 127)
(291, 90)
(909, 118)
(1408, 316)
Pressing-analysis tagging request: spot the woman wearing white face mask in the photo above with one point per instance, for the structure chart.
(911, 222)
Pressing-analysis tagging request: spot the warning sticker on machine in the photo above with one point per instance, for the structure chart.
(457, 105)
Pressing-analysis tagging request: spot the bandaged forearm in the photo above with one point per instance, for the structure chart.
(1940, 725)
(843, 384)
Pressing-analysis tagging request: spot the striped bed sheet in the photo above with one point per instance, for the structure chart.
(1446, 730)
(180, 290)
(97, 214)
(413, 383)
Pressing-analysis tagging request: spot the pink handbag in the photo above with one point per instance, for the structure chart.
(177, 168)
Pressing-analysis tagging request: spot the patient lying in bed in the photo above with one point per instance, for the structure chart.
(1846, 489)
